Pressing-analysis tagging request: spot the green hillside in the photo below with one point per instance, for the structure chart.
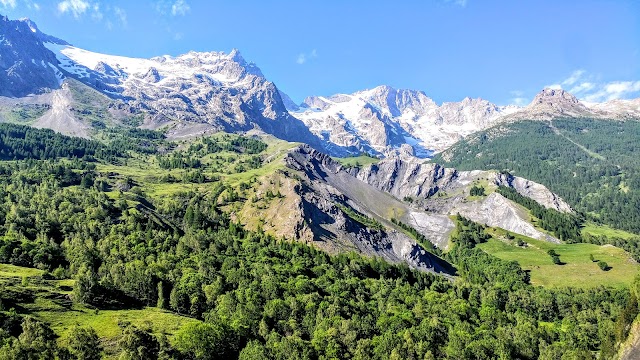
(577, 268)
(592, 164)
(135, 252)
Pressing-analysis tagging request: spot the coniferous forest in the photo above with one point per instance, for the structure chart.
(250, 295)
(592, 164)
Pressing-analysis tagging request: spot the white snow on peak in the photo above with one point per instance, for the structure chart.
(357, 119)
(212, 64)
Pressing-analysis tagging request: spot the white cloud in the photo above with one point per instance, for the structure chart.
(75, 7)
(582, 87)
(172, 7)
(614, 90)
(575, 76)
(518, 98)
(519, 101)
(180, 7)
(178, 36)
(586, 87)
(461, 3)
(303, 57)
(8, 3)
(96, 14)
(121, 15)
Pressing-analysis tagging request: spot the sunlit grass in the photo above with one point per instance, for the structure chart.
(577, 271)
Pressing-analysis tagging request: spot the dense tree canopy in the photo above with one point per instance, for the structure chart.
(259, 296)
(592, 164)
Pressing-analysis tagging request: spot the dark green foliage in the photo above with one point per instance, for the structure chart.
(22, 142)
(86, 289)
(36, 341)
(210, 340)
(84, 344)
(361, 218)
(190, 157)
(602, 182)
(178, 160)
(565, 226)
(477, 266)
(555, 257)
(270, 298)
(603, 265)
(477, 191)
(142, 141)
(138, 344)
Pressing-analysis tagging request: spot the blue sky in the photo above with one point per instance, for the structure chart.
(503, 51)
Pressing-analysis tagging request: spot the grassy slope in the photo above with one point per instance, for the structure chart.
(50, 303)
(604, 230)
(578, 270)
(352, 161)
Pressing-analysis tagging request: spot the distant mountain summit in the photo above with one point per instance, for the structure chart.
(188, 95)
(382, 119)
(557, 103)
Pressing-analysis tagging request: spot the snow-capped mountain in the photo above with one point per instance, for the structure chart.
(194, 92)
(383, 118)
(202, 92)
(190, 94)
(622, 109)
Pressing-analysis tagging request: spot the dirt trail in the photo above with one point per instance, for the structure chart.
(582, 147)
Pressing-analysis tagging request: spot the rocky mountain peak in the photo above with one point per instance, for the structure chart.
(555, 98)
(315, 102)
(41, 36)
(24, 60)
(553, 103)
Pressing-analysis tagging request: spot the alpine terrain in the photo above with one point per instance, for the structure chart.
(183, 207)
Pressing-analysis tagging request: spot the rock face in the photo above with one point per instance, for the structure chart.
(60, 118)
(557, 103)
(192, 93)
(553, 103)
(27, 67)
(436, 193)
(413, 178)
(533, 190)
(382, 119)
(324, 186)
(618, 109)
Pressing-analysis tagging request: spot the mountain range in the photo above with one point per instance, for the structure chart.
(199, 93)
(49, 83)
